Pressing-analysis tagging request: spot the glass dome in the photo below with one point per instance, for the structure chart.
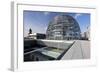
(63, 27)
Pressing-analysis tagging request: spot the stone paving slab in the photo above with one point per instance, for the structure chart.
(79, 50)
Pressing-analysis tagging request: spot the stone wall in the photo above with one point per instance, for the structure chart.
(55, 43)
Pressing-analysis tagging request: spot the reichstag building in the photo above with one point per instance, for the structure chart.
(63, 27)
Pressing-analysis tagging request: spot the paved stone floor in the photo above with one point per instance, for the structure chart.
(79, 50)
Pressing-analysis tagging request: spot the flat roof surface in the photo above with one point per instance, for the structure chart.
(79, 50)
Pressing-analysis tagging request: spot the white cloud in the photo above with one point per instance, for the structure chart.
(77, 15)
(46, 13)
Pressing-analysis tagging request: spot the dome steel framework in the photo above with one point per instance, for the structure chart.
(63, 27)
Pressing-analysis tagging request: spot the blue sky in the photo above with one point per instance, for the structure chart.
(38, 20)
